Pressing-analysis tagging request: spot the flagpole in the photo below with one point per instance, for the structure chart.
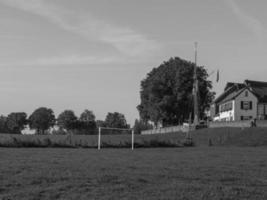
(195, 90)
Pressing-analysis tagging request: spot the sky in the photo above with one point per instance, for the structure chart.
(93, 54)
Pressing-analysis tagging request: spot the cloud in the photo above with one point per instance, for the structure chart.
(66, 60)
(252, 23)
(125, 40)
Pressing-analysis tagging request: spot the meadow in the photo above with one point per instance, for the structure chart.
(146, 173)
(223, 164)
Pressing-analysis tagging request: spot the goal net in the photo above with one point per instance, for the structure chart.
(115, 137)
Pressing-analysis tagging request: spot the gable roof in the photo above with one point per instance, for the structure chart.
(259, 88)
(231, 84)
(232, 90)
(236, 94)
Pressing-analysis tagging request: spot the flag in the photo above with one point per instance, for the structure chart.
(218, 76)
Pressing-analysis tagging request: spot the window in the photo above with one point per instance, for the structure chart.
(226, 107)
(246, 94)
(246, 105)
(245, 117)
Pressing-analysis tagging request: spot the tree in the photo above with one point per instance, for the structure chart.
(42, 119)
(166, 92)
(3, 124)
(116, 120)
(16, 122)
(141, 125)
(87, 116)
(87, 120)
(67, 120)
(100, 123)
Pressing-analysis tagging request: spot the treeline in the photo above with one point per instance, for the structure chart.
(43, 121)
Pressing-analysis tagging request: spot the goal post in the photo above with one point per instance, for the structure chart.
(118, 129)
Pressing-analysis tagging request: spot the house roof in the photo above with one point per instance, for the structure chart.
(232, 90)
(231, 84)
(232, 95)
(259, 88)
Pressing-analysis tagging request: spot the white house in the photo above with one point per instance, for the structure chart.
(241, 101)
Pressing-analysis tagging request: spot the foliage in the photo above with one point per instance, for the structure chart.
(67, 120)
(87, 115)
(141, 125)
(3, 124)
(166, 92)
(16, 122)
(87, 120)
(100, 123)
(116, 120)
(42, 119)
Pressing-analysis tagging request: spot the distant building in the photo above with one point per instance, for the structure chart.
(241, 101)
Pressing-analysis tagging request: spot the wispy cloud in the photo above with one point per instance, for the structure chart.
(252, 23)
(124, 39)
(73, 60)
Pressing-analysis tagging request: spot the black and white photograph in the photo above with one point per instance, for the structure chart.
(133, 100)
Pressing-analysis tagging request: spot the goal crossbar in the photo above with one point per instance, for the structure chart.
(122, 129)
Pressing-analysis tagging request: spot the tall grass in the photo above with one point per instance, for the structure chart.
(207, 137)
(91, 141)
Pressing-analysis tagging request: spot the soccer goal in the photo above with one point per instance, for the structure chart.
(115, 135)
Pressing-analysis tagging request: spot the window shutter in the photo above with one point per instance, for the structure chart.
(242, 105)
(241, 117)
(250, 105)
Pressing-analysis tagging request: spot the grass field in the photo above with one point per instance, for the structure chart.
(156, 173)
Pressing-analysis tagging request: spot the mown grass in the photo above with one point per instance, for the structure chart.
(91, 141)
(200, 173)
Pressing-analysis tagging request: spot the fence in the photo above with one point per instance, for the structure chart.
(185, 127)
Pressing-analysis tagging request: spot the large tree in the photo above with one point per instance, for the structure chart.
(116, 120)
(3, 124)
(67, 120)
(166, 92)
(87, 120)
(16, 122)
(42, 119)
(87, 115)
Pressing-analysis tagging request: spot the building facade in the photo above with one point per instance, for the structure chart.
(241, 101)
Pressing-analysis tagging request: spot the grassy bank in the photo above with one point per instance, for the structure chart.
(90, 141)
(230, 136)
(203, 137)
